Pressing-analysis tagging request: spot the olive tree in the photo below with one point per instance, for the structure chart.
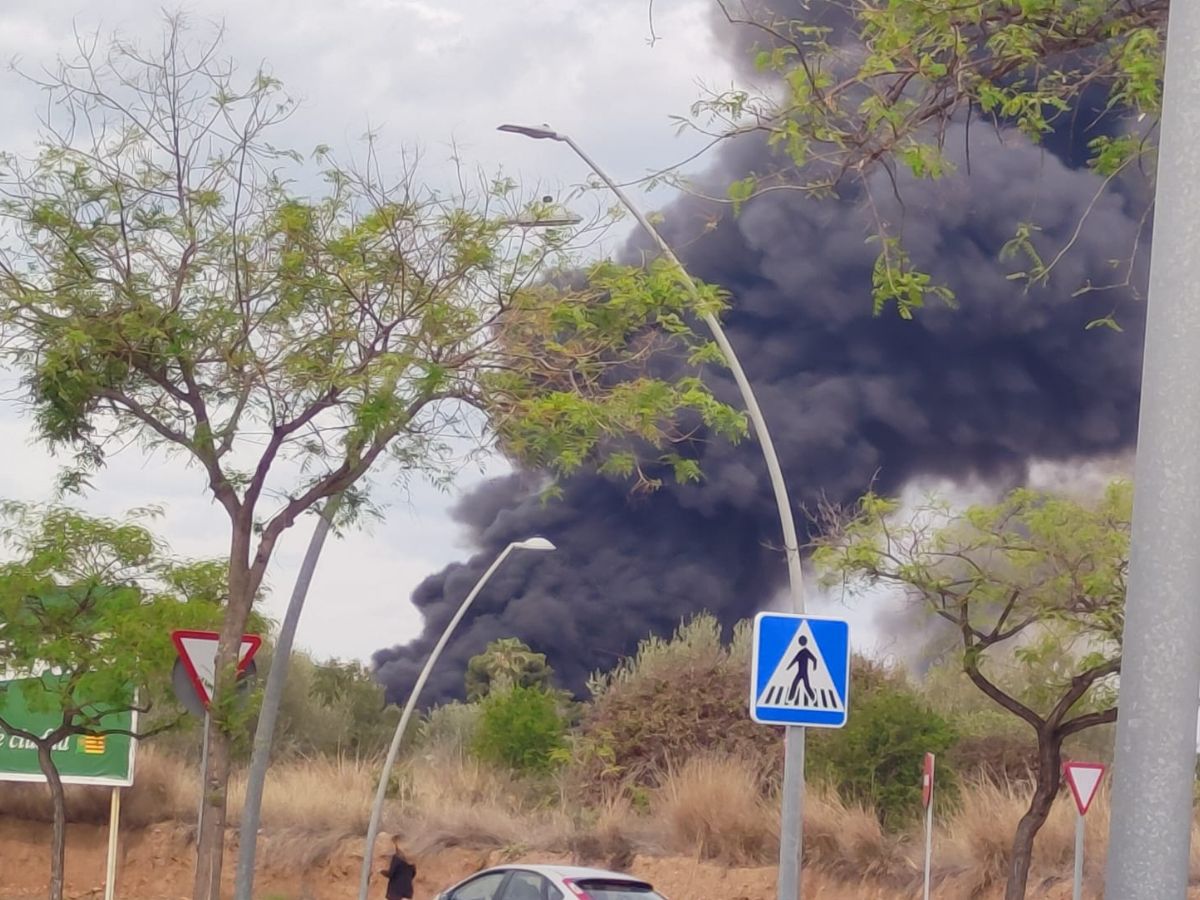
(87, 607)
(167, 283)
(1037, 577)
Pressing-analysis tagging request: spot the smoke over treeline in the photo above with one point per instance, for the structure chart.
(978, 391)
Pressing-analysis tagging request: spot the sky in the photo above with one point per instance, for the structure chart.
(434, 75)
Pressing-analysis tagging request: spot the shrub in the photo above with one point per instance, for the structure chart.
(876, 759)
(449, 730)
(685, 696)
(672, 700)
(1000, 758)
(521, 728)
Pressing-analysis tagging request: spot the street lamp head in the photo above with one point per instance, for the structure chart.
(542, 133)
(534, 543)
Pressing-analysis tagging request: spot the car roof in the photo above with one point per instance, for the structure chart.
(577, 872)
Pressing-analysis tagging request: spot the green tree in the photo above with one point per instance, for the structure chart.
(876, 759)
(879, 89)
(1031, 576)
(521, 728)
(506, 662)
(166, 283)
(348, 690)
(87, 606)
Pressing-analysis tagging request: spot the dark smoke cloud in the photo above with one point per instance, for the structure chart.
(975, 392)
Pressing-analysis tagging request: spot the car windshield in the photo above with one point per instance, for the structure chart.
(618, 890)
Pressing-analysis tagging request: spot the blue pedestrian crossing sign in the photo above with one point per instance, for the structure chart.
(800, 674)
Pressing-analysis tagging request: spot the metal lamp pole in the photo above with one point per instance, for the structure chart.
(1155, 764)
(792, 820)
(535, 543)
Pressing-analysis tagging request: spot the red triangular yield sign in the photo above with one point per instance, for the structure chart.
(198, 652)
(1083, 779)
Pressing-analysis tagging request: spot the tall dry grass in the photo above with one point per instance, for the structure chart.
(974, 842)
(462, 802)
(711, 807)
(163, 789)
(322, 794)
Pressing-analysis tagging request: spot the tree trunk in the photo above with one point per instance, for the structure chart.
(210, 842)
(58, 839)
(1049, 776)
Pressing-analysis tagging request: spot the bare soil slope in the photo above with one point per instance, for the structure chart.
(156, 864)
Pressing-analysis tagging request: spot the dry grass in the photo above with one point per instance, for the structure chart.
(615, 835)
(456, 802)
(711, 806)
(329, 795)
(848, 839)
(974, 841)
(163, 789)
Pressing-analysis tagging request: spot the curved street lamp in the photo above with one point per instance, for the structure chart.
(533, 543)
(792, 824)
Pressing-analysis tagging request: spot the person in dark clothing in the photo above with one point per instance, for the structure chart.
(399, 874)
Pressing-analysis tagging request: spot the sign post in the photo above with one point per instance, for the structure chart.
(927, 800)
(203, 771)
(114, 828)
(1084, 780)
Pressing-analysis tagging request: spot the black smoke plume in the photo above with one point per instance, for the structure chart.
(1012, 375)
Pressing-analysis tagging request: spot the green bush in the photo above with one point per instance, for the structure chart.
(521, 728)
(675, 698)
(877, 758)
(684, 696)
(448, 730)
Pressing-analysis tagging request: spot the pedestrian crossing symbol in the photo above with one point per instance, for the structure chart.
(800, 673)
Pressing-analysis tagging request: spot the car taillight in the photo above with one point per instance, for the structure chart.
(576, 889)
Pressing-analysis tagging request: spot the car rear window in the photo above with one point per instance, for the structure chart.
(618, 890)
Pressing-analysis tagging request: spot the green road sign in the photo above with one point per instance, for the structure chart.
(80, 759)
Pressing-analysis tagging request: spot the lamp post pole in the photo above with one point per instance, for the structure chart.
(1155, 764)
(536, 543)
(792, 814)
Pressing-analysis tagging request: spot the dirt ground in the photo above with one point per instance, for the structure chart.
(156, 864)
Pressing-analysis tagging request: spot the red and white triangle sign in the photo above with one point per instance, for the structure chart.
(198, 652)
(1084, 780)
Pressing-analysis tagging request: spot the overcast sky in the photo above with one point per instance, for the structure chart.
(418, 72)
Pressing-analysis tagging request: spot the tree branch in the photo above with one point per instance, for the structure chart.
(1012, 704)
(1079, 686)
(1089, 720)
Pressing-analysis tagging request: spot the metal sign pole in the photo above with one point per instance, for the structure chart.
(114, 826)
(203, 773)
(927, 797)
(1078, 894)
(929, 845)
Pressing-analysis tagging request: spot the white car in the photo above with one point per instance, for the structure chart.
(521, 882)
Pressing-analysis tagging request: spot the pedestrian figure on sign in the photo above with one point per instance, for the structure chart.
(399, 874)
(802, 661)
